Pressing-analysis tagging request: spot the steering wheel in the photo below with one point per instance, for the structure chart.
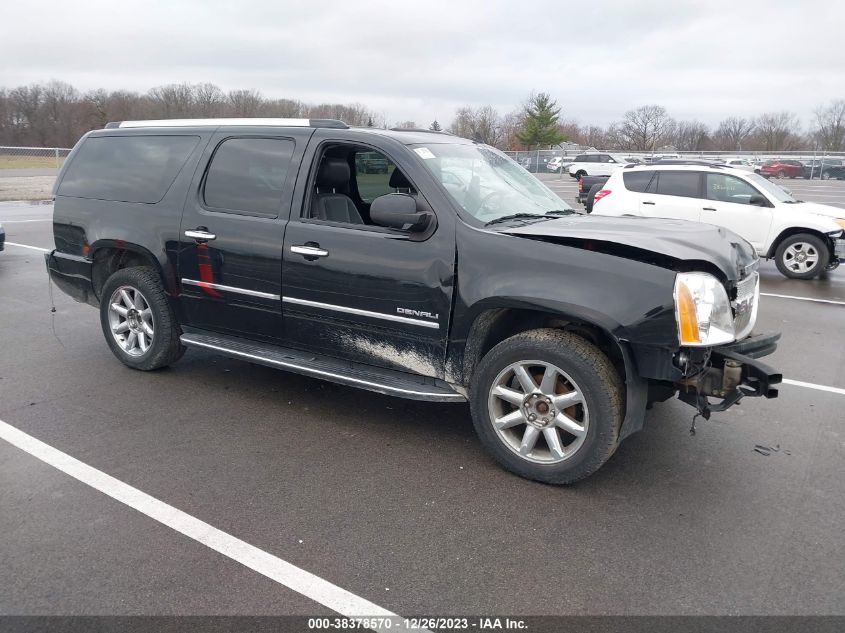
(491, 204)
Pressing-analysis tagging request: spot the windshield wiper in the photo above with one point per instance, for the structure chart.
(562, 212)
(517, 216)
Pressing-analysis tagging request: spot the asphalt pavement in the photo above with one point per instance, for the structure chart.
(395, 501)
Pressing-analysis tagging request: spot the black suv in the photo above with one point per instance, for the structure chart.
(455, 276)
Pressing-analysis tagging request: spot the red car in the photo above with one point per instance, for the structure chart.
(782, 169)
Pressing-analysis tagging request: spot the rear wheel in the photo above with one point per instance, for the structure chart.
(825, 175)
(547, 405)
(780, 174)
(802, 256)
(580, 173)
(137, 320)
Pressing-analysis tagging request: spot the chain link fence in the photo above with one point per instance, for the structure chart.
(28, 173)
(35, 158)
(557, 161)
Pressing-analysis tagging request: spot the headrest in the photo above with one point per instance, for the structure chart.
(398, 180)
(333, 173)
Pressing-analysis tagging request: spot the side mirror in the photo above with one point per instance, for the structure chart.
(398, 211)
(758, 201)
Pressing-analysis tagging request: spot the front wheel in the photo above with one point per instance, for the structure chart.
(547, 405)
(137, 320)
(802, 256)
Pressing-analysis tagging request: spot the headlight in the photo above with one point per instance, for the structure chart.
(840, 223)
(702, 310)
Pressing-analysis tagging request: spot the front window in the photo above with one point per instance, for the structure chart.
(487, 184)
(724, 188)
(770, 189)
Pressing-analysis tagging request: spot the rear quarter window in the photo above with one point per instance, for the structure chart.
(678, 183)
(637, 180)
(126, 168)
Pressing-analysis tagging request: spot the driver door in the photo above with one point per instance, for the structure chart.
(363, 292)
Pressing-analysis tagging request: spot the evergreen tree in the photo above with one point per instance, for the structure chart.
(540, 126)
(370, 122)
(435, 126)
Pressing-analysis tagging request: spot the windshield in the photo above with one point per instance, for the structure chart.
(770, 188)
(487, 184)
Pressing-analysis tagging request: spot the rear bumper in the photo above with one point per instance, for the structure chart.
(72, 274)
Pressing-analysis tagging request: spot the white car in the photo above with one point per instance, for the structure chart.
(742, 165)
(555, 163)
(596, 165)
(805, 239)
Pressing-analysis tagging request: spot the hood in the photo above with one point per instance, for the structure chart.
(819, 209)
(636, 238)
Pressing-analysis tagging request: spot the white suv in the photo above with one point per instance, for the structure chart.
(595, 165)
(804, 238)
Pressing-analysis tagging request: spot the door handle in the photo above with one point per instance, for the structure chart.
(708, 209)
(200, 234)
(648, 202)
(310, 250)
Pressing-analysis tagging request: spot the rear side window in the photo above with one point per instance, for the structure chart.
(637, 180)
(126, 168)
(248, 175)
(678, 183)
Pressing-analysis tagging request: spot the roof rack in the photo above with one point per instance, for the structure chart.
(241, 122)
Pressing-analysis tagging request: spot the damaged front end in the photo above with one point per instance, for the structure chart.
(729, 373)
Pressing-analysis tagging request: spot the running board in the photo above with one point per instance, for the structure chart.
(386, 381)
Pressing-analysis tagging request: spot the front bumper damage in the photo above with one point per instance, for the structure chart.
(730, 373)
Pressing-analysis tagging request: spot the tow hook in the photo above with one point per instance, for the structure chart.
(719, 383)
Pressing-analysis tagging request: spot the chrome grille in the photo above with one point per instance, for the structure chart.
(745, 305)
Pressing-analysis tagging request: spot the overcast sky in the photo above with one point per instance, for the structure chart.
(421, 60)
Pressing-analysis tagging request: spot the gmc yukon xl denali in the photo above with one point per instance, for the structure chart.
(452, 275)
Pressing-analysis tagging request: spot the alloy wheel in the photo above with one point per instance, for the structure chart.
(800, 257)
(538, 412)
(131, 320)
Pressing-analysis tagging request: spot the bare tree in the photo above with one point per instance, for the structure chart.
(733, 132)
(480, 124)
(209, 101)
(830, 126)
(644, 128)
(777, 131)
(406, 125)
(691, 136)
(173, 101)
(244, 103)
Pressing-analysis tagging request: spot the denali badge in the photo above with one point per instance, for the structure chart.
(417, 313)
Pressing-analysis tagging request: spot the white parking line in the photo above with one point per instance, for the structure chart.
(810, 385)
(274, 568)
(771, 294)
(34, 248)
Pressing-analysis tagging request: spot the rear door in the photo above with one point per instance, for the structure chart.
(727, 203)
(673, 194)
(232, 232)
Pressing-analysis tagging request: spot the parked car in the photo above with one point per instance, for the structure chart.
(805, 239)
(558, 163)
(742, 165)
(252, 239)
(2, 237)
(823, 168)
(535, 164)
(588, 186)
(782, 169)
(595, 165)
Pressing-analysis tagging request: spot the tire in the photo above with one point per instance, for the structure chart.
(780, 174)
(151, 313)
(578, 366)
(591, 197)
(580, 173)
(825, 175)
(789, 262)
